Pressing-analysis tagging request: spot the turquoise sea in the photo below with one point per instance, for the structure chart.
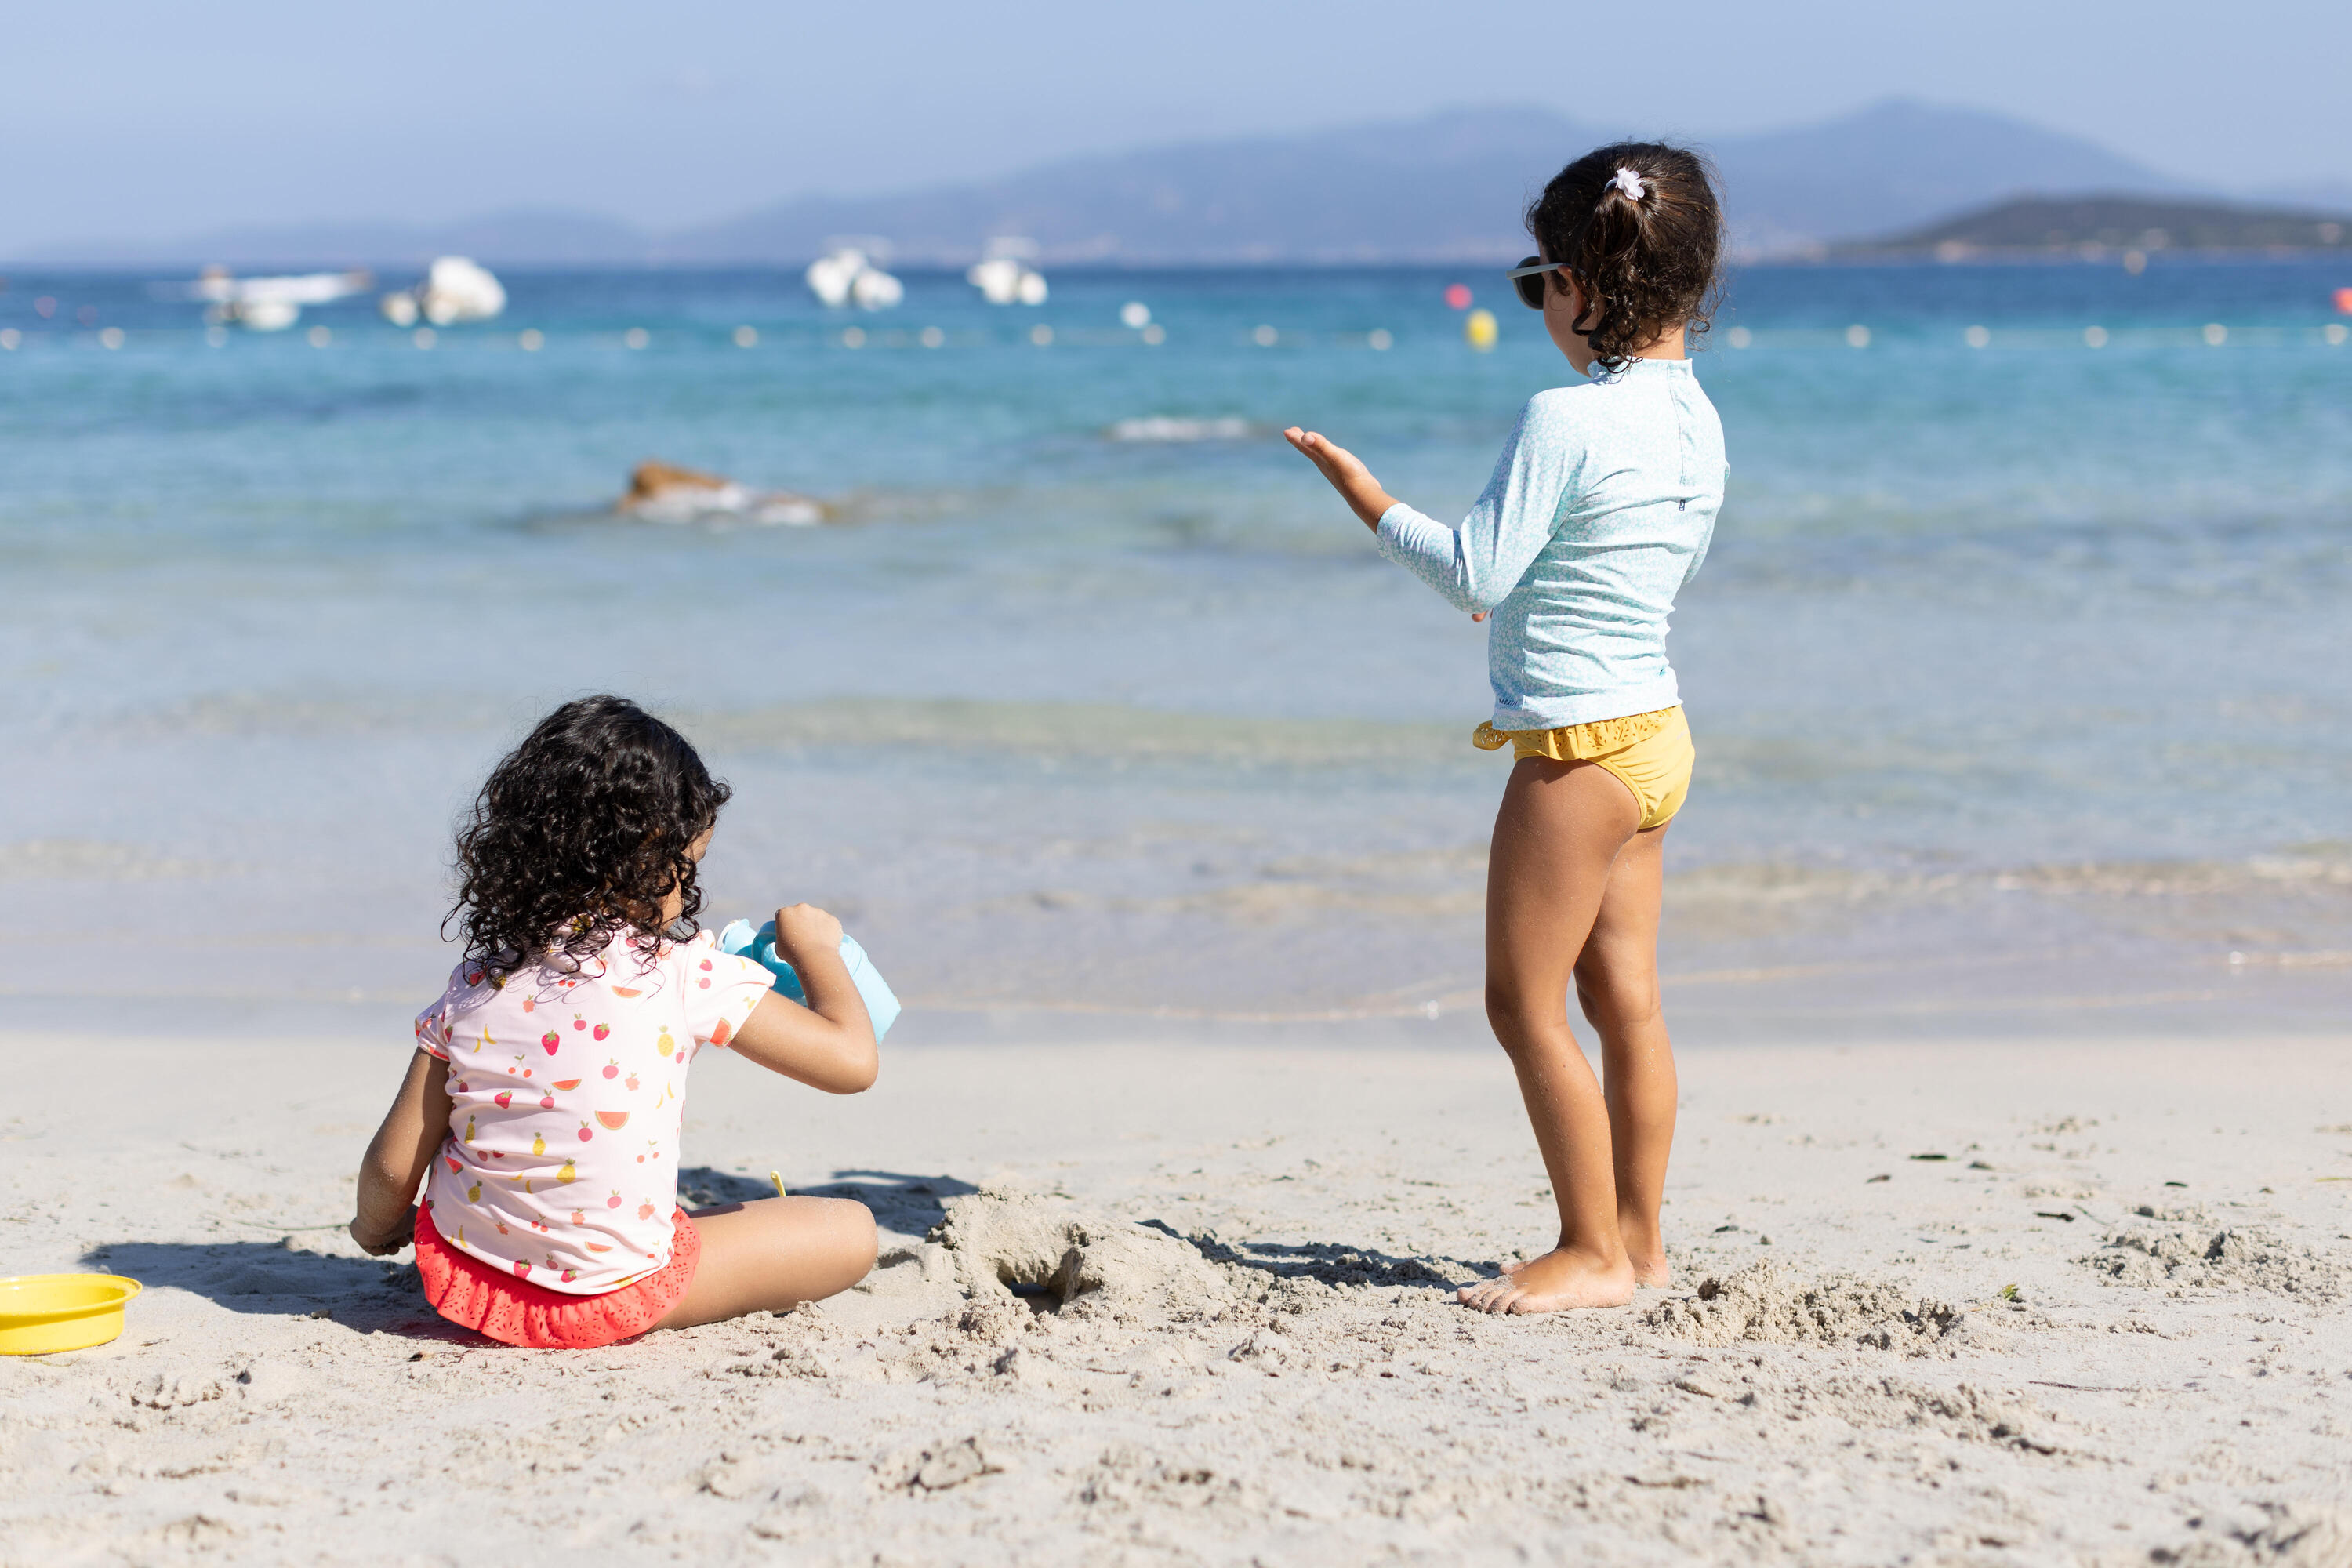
(2019, 671)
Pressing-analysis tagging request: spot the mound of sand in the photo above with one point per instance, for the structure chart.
(1764, 1303)
(1004, 1243)
(2184, 1249)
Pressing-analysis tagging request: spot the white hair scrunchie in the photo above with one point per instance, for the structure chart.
(1630, 183)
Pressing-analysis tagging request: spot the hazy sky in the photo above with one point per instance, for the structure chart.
(156, 118)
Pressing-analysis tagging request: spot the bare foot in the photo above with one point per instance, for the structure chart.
(1551, 1283)
(1651, 1271)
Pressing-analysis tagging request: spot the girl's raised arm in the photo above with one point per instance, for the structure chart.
(829, 1044)
(399, 1154)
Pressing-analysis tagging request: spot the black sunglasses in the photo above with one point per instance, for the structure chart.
(1528, 278)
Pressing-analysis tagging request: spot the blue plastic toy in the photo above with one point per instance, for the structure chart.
(760, 947)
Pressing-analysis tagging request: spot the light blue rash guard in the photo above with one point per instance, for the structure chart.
(1599, 510)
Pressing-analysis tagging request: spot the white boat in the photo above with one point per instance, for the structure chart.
(455, 288)
(1004, 274)
(269, 304)
(846, 274)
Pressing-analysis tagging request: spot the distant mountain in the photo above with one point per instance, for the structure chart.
(1448, 187)
(2042, 223)
(1900, 163)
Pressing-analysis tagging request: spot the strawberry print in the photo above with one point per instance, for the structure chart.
(535, 1219)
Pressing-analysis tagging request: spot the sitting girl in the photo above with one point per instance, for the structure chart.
(541, 1108)
(1599, 510)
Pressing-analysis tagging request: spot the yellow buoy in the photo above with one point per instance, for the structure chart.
(1479, 330)
(41, 1314)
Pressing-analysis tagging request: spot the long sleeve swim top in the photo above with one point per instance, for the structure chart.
(1601, 508)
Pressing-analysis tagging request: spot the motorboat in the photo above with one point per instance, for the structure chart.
(269, 304)
(1004, 274)
(455, 288)
(846, 275)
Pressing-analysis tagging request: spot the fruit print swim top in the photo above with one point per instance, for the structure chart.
(565, 1090)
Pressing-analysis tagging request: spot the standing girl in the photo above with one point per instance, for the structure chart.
(1598, 512)
(542, 1105)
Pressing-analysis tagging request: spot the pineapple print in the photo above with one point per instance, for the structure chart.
(538, 1144)
(569, 1173)
(665, 1044)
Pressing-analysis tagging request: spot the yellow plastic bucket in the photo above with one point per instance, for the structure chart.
(41, 1314)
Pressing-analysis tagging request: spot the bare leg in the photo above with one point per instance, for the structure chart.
(1556, 839)
(1617, 984)
(770, 1255)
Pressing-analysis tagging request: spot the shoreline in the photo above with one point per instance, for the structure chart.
(1311, 1389)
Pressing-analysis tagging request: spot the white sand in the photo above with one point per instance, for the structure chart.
(2173, 1386)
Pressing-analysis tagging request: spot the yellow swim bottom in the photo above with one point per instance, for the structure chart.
(1650, 752)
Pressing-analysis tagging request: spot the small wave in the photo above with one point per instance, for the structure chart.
(1169, 427)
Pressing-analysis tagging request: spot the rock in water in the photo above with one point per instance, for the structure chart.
(663, 492)
(1088, 1262)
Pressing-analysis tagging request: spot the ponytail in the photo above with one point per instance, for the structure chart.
(1640, 231)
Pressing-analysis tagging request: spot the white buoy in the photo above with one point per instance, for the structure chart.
(635, 338)
(113, 337)
(1739, 337)
(1031, 290)
(400, 310)
(1042, 335)
(2095, 337)
(1857, 336)
(531, 339)
(2216, 334)
(1265, 337)
(747, 337)
(1977, 337)
(1135, 315)
(932, 338)
(1380, 340)
(320, 337)
(1155, 334)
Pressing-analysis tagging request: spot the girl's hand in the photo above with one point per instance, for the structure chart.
(1346, 473)
(829, 1042)
(380, 1246)
(805, 928)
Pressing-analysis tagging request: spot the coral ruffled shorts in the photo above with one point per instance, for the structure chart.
(473, 1295)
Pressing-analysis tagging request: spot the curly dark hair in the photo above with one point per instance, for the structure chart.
(1646, 264)
(581, 832)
